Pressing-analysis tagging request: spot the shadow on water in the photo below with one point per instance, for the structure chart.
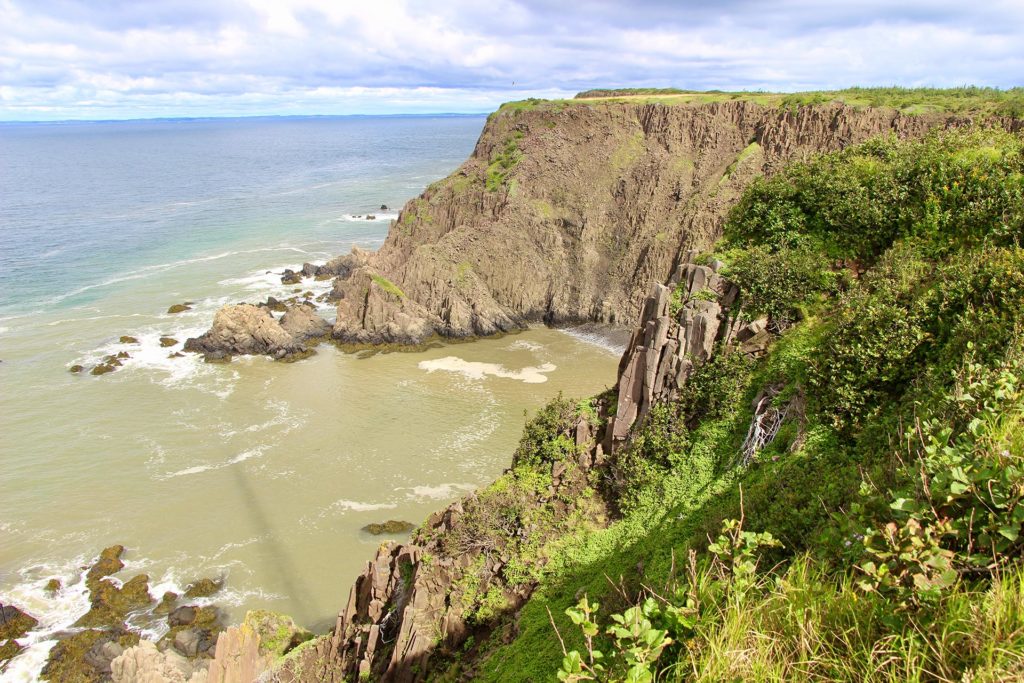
(280, 562)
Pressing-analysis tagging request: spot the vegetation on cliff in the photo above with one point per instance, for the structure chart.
(878, 535)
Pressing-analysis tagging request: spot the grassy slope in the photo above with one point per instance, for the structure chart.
(936, 315)
(967, 100)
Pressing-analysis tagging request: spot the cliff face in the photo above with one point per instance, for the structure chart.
(569, 213)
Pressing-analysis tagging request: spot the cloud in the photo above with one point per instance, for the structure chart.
(120, 58)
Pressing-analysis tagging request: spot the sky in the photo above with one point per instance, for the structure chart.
(112, 59)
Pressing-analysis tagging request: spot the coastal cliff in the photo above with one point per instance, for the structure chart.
(567, 213)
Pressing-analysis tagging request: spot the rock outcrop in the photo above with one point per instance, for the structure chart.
(526, 230)
(246, 329)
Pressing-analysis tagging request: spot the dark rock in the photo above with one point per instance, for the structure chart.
(371, 217)
(102, 653)
(274, 304)
(53, 586)
(384, 207)
(176, 354)
(182, 616)
(290, 277)
(203, 588)
(392, 526)
(309, 270)
(168, 341)
(128, 340)
(14, 623)
(187, 642)
(217, 357)
(76, 369)
(167, 602)
(179, 308)
(123, 355)
(102, 369)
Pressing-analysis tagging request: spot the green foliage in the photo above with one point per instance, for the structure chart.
(777, 283)
(735, 552)
(502, 163)
(388, 286)
(953, 188)
(546, 437)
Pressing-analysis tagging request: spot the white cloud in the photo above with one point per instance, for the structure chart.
(190, 57)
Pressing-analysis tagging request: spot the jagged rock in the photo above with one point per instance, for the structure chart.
(304, 324)
(53, 586)
(144, 663)
(245, 329)
(102, 369)
(290, 277)
(309, 270)
(278, 634)
(383, 207)
(238, 658)
(109, 562)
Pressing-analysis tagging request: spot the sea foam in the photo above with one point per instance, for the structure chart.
(479, 370)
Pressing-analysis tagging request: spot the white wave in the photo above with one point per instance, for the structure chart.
(358, 506)
(525, 345)
(440, 492)
(198, 469)
(163, 267)
(365, 217)
(589, 336)
(478, 370)
(55, 613)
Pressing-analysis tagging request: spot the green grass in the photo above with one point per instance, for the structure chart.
(388, 286)
(912, 101)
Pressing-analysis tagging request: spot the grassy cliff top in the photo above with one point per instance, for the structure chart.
(964, 100)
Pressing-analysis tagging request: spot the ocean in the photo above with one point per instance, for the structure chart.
(258, 472)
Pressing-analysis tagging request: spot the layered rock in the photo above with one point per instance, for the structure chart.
(569, 213)
(683, 323)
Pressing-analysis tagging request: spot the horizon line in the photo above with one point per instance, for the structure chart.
(212, 117)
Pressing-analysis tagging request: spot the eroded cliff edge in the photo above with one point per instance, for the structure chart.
(567, 213)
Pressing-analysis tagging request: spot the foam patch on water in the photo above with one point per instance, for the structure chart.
(478, 370)
(55, 613)
(199, 469)
(600, 339)
(525, 345)
(439, 492)
(370, 217)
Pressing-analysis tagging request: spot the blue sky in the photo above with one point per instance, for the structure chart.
(71, 59)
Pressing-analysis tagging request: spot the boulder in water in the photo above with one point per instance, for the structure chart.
(290, 277)
(125, 339)
(245, 329)
(179, 308)
(75, 369)
(168, 341)
(392, 526)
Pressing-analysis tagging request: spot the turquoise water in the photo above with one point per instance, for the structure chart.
(83, 205)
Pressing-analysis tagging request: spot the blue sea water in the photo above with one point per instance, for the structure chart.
(84, 203)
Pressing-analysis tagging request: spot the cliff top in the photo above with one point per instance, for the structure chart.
(964, 100)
